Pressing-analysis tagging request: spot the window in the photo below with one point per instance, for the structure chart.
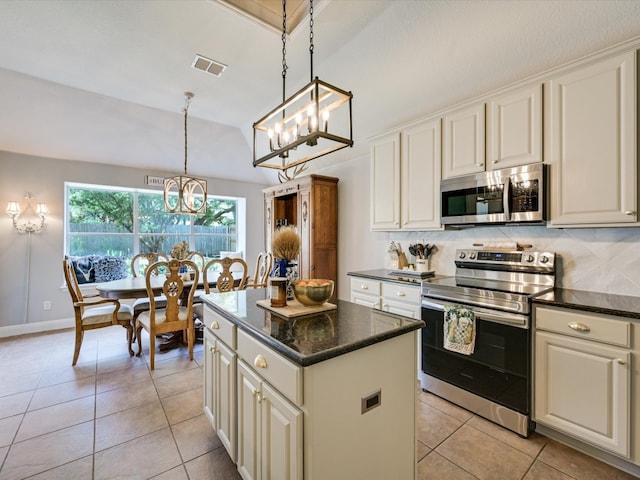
(121, 222)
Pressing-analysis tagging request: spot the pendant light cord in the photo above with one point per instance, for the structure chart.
(284, 48)
(188, 96)
(311, 46)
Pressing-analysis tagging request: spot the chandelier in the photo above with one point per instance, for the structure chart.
(184, 194)
(313, 122)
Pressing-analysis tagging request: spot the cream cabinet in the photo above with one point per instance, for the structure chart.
(392, 297)
(463, 144)
(405, 178)
(582, 378)
(220, 379)
(269, 430)
(591, 145)
(514, 128)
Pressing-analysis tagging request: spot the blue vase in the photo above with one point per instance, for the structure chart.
(286, 269)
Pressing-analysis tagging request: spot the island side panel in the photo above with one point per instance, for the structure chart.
(341, 441)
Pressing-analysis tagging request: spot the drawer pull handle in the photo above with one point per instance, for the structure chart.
(579, 327)
(260, 362)
(213, 349)
(629, 212)
(215, 325)
(364, 287)
(400, 294)
(621, 361)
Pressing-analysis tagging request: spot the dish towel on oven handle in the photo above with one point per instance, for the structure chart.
(459, 329)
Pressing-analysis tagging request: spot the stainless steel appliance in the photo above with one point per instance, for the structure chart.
(497, 286)
(509, 195)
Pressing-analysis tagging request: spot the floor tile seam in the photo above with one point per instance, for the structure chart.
(453, 463)
(119, 386)
(95, 450)
(58, 466)
(61, 403)
(538, 459)
(75, 424)
(508, 444)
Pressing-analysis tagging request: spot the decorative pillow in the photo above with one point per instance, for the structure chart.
(110, 268)
(235, 267)
(83, 267)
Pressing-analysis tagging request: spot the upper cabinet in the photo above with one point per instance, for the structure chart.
(590, 131)
(511, 136)
(463, 149)
(514, 128)
(405, 178)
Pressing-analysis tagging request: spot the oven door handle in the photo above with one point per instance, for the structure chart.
(496, 316)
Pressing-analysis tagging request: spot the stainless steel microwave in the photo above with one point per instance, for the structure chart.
(508, 195)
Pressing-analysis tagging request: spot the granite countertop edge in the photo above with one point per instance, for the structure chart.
(311, 359)
(595, 302)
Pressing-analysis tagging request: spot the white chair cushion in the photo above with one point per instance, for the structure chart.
(142, 304)
(104, 313)
(145, 317)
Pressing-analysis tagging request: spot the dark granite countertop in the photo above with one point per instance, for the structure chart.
(605, 303)
(313, 338)
(386, 275)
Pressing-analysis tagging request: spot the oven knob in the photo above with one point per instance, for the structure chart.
(462, 255)
(530, 258)
(472, 255)
(544, 259)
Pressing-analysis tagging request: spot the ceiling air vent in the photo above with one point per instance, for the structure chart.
(209, 66)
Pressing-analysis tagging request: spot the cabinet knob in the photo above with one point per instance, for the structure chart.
(579, 327)
(384, 305)
(621, 361)
(260, 362)
(494, 161)
(400, 293)
(364, 287)
(213, 349)
(480, 164)
(629, 212)
(215, 325)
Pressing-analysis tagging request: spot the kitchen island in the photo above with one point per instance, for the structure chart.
(330, 394)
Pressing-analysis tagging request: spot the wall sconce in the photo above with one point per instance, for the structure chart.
(26, 226)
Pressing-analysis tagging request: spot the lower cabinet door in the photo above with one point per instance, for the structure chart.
(281, 436)
(209, 376)
(248, 422)
(582, 388)
(226, 415)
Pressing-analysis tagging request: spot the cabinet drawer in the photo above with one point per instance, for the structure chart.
(401, 293)
(364, 285)
(592, 326)
(221, 327)
(285, 376)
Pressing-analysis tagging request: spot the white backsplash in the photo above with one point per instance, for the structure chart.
(595, 259)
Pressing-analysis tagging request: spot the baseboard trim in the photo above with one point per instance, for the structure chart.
(25, 328)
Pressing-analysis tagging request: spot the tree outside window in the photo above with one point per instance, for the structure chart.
(123, 222)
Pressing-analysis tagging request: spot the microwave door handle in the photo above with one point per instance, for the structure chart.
(506, 199)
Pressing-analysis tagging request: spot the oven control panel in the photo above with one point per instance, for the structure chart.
(532, 258)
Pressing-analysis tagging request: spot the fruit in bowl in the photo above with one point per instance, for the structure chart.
(312, 292)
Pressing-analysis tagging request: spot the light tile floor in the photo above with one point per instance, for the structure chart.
(110, 417)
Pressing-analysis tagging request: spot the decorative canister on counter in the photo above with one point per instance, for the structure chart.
(278, 291)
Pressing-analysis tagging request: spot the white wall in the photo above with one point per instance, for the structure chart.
(595, 259)
(44, 178)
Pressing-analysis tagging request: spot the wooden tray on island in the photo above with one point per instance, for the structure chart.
(295, 309)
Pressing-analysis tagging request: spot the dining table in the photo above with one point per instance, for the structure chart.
(136, 287)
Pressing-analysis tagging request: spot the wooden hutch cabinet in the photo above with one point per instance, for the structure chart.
(309, 203)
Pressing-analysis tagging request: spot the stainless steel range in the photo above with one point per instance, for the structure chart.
(497, 286)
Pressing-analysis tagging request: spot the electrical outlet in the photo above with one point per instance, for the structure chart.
(47, 305)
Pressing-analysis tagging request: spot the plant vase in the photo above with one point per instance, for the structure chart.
(286, 269)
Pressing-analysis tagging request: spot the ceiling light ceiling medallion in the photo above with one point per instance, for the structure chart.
(184, 194)
(315, 121)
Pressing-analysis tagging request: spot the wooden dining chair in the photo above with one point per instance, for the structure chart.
(177, 314)
(92, 314)
(226, 281)
(139, 265)
(264, 263)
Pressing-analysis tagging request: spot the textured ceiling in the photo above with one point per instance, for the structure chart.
(103, 81)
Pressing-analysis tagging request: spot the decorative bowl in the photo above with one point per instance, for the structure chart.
(312, 292)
